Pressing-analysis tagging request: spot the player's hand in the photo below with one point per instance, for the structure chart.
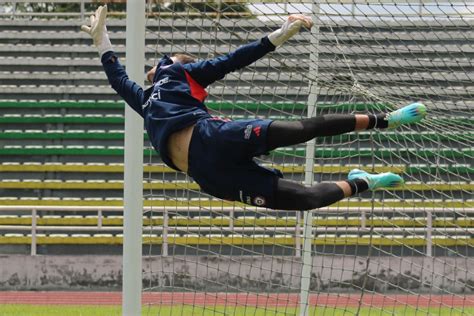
(98, 31)
(290, 28)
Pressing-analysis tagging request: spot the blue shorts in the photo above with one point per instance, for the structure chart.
(221, 160)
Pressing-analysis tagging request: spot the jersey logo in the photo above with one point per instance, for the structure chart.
(259, 201)
(154, 96)
(248, 132)
(162, 81)
(256, 130)
(247, 200)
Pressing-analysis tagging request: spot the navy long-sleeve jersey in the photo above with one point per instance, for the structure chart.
(176, 99)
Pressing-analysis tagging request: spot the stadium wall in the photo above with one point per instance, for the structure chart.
(216, 274)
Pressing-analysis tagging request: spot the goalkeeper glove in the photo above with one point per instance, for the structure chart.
(98, 30)
(289, 28)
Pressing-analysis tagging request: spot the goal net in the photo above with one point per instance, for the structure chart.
(401, 251)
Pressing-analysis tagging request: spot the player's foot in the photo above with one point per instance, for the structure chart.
(412, 113)
(381, 180)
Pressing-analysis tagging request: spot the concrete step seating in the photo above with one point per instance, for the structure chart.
(210, 223)
(79, 134)
(277, 77)
(465, 154)
(54, 47)
(418, 28)
(285, 108)
(204, 201)
(329, 66)
(264, 92)
(326, 67)
(106, 118)
(51, 45)
(77, 167)
(359, 62)
(59, 63)
(58, 118)
(168, 29)
(50, 184)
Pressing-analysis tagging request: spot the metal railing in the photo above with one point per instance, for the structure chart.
(165, 229)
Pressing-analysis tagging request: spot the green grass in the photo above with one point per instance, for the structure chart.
(69, 310)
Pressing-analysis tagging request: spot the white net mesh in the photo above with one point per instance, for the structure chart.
(401, 251)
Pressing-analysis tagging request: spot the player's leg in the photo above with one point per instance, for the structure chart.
(294, 196)
(285, 133)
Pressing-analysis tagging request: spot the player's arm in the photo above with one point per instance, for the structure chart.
(208, 71)
(130, 91)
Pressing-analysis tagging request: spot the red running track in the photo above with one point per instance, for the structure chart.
(237, 299)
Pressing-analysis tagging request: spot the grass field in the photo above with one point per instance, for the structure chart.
(84, 310)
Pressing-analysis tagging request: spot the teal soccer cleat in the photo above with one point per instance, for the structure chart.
(375, 181)
(412, 113)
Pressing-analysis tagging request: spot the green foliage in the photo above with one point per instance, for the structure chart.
(47, 7)
(112, 7)
(210, 6)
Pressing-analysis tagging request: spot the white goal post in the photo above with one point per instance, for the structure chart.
(133, 166)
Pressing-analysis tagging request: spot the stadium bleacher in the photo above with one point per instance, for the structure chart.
(61, 138)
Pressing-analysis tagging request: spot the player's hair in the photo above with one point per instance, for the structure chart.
(184, 58)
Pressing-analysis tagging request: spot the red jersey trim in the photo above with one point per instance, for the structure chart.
(197, 91)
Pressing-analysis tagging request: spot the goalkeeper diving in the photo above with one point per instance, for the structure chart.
(219, 153)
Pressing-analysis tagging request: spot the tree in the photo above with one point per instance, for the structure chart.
(207, 6)
(65, 7)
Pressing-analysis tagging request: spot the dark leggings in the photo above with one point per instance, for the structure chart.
(290, 195)
(294, 196)
(286, 133)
